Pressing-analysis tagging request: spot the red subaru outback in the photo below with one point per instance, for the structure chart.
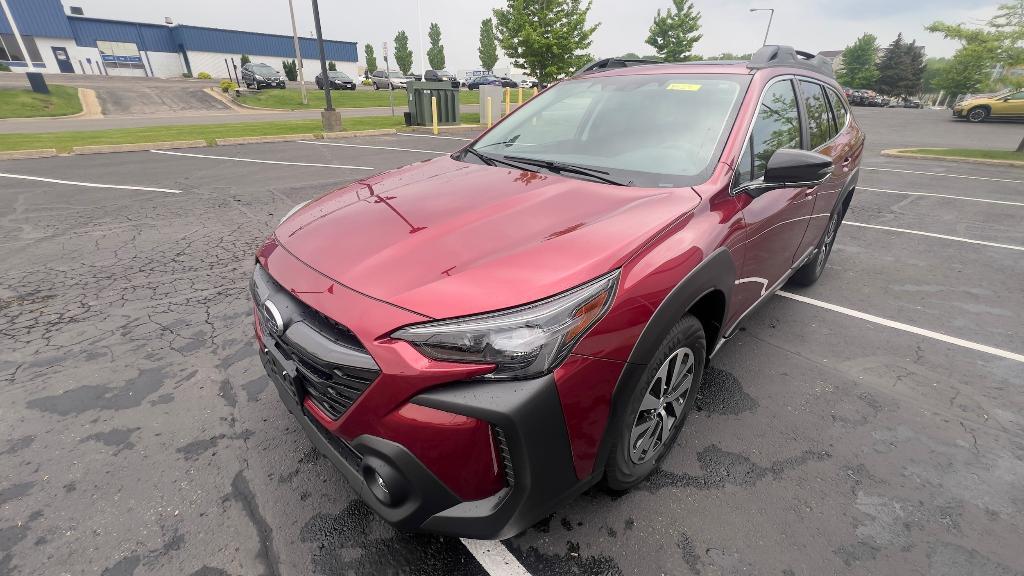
(475, 339)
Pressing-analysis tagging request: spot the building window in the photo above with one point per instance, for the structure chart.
(11, 52)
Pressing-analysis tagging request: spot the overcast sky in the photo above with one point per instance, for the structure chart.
(727, 24)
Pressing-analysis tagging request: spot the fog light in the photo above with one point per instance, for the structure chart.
(386, 485)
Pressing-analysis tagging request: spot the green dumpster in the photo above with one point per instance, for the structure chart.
(420, 94)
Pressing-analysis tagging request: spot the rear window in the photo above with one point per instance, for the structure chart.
(838, 107)
(649, 130)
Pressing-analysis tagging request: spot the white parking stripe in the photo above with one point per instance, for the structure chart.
(941, 196)
(89, 184)
(943, 236)
(905, 327)
(368, 146)
(941, 174)
(495, 558)
(432, 136)
(260, 161)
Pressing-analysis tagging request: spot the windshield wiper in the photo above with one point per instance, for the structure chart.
(492, 161)
(564, 168)
(483, 157)
(507, 143)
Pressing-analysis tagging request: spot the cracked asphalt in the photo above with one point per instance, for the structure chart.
(139, 435)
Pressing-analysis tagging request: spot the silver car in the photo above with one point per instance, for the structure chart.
(382, 80)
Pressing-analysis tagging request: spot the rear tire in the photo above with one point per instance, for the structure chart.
(977, 114)
(811, 270)
(657, 406)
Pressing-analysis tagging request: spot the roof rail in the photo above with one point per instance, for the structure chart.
(772, 56)
(610, 63)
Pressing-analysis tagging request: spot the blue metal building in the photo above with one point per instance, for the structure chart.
(58, 42)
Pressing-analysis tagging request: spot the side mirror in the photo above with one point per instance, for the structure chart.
(791, 168)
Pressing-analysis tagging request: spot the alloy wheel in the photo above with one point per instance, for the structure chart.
(662, 406)
(976, 115)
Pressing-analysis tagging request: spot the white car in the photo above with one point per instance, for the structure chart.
(381, 80)
(525, 82)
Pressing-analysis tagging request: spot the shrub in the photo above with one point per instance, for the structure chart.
(227, 86)
(332, 67)
(244, 60)
(367, 82)
(204, 76)
(291, 70)
(4, 67)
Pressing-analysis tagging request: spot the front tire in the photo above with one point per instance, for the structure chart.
(658, 404)
(978, 114)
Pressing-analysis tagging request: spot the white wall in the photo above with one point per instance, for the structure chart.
(213, 64)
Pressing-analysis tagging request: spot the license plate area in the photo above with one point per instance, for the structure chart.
(283, 371)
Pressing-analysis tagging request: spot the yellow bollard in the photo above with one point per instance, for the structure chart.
(508, 100)
(433, 111)
(520, 102)
(534, 91)
(489, 112)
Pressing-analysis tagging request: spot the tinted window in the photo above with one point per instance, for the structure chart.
(819, 123)
(264, 70)
(1017, 96)
(838, 107)
(777, 126)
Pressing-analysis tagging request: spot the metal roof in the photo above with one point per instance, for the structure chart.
(238, 42)
(148, 37)
(37, 18)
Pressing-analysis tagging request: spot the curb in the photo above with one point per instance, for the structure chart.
(262, 139)
(355, 133)
(110, 148)
(900, 153)
(235, 104)
(26, 154)
(90, 104)
(460, 129)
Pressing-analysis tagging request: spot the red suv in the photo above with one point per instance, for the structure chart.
(475, 339)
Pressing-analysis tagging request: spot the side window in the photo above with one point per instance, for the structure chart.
(777, 126)
(819, 122)
(1017, 96)
(839, 108)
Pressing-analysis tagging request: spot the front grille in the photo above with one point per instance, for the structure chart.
(331, 384)
(506, 457)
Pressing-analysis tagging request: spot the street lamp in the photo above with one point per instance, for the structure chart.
(771, 14)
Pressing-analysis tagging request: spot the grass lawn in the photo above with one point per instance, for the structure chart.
(65, 141)
(24, 103)
(291, 99)
(969, 153)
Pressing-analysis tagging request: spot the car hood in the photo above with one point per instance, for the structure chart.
(447, 238)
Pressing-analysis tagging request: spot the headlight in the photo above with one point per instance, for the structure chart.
(293, 211)
(522, 342)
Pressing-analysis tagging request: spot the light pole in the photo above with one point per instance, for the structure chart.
(298, 54)
(419, 31)
(771, 14)
(331, 117)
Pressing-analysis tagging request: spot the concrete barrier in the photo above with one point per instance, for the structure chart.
(355, 133)
(110, 148)
(262, 139)
(25, 154)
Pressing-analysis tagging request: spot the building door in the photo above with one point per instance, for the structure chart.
(63, 60)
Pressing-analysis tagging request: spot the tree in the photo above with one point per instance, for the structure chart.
(435, 54)
(291, 70)
(630, 56)
(488, 50)
(243, 60)
(547, 38)
(371, 59)
(860, 68)
(933, 68)
(673, 35)
(731, 56)
(403, 55)
(901, 68)
(981, 49)
(332, 67)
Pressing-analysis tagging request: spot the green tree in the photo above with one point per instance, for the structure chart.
(243, 60)
(630, 56)
(981, 49)
(901, 68)
(435, 54)
(332, 67)
(291, 70)
(860, 68)
(547, 38)
(731, 56)
(488, 50)
(371, 58)
(673, 34)
(933, 68)
(403, 55)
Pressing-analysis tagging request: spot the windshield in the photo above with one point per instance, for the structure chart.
(443, 73)
(396, 75)
(647, 130)
(338, 76)
(264, 70)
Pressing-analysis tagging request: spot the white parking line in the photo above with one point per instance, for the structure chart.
(88, 184)
(260, 161)
(495, 558)
(941, 196)
(905, 327)
(432, 136)
(943, 236)
(368, 146)
(941, 174)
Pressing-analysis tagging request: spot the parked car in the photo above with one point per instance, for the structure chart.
(912, 103)
(388, 81)
(1008, 104)
(441, 76)
(414, 77)
(478, 81)
(507, 82)
(259, 76)
(526, 82)
(339, 81)
(513, 323)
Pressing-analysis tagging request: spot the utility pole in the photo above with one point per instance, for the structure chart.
(331, 117)
(771, 14)
(387, 68)
(419, 32)
(298, 54)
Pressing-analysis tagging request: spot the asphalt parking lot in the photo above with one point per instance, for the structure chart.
(871, 424)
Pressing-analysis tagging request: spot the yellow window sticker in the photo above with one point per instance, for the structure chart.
(686, 87)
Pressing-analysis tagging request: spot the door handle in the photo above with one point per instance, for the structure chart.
(846, 163)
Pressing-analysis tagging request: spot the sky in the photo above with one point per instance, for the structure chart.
(727, 25)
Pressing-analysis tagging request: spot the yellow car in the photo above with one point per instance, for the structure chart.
(1003, 105)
